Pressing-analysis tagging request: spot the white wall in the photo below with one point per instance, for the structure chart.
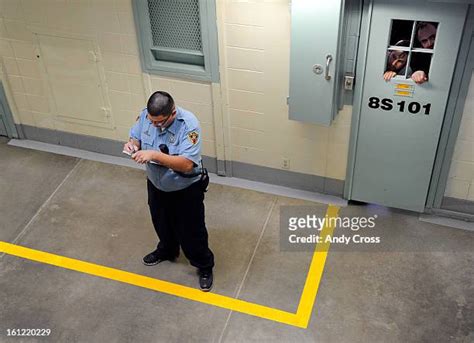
(244, 118)
(461, 175)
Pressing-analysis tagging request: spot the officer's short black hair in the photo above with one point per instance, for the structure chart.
(160, 103)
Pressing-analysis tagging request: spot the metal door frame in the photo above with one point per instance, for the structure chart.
(452, 118)
(9, 123)
(453, 115)
(366, 22)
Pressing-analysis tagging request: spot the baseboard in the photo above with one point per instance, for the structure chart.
(285, 178)
(458, 205)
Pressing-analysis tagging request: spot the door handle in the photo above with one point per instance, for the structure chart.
(328, 62)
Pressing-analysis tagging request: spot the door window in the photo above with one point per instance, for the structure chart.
(410, 49)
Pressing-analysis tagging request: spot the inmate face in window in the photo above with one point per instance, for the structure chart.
(396, 62)
(425, 35)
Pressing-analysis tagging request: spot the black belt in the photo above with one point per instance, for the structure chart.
(188, 176)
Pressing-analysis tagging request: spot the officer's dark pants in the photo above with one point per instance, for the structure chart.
(178, 218)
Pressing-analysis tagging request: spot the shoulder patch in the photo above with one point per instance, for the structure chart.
(193, 137)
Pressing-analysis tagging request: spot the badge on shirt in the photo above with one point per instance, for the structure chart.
(193, 137)
(172, 138)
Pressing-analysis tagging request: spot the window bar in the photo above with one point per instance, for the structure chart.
(412, 40)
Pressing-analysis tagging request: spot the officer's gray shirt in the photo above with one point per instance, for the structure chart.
(183, 138)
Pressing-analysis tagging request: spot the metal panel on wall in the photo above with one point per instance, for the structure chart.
(315, 33)
(70, 65)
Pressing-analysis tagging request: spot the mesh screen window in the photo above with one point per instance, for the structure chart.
(178, 38)
(175, 24)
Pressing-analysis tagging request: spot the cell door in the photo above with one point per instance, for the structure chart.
(400, 119)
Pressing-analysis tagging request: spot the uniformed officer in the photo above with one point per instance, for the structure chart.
(168, 140)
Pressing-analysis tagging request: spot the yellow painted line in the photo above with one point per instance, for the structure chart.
(300, 319)
(404, 86)
(403, 93)
(147, 282)
(315, 273)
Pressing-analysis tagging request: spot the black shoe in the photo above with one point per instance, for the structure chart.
(156, 257)
(205, 280)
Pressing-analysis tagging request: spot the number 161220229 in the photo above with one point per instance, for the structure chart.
(28, 332)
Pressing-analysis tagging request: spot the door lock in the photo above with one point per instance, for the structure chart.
(348, 82)
(318, 69)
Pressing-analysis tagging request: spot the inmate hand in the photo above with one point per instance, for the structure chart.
(419, 77)
(388, 75)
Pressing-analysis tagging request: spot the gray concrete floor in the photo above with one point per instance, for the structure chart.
(417, 288)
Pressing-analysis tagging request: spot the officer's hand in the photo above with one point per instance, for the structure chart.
(130, 147)
(419, 77)
(143, 156)
(388, 75)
